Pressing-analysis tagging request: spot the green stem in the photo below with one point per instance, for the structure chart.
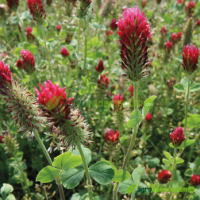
(109, 190)
(78, 46)
(174, 169)
(101, 141)
(50, 162)
(131, 144)
(86, 170)
(22, 173)
(85, 55)
(30, 83)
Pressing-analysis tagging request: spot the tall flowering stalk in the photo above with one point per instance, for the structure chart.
(13, 4)
(66, 121)
(24, 109)
(134, 32)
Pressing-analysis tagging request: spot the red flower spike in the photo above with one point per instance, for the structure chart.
(5, 75)
(36, 9)
(1, 139)
(179, 1)
(103, 82)
(148, 116)
(109, 32)
(118, 102)
(113, 24)
(163, 31)
(168, 45)
(164, 176)
(195, 180)
(99, 68)
(198, 22)
(29, 30)
(177, 137)
(13, 4)
(131, 90)
(49, 92)
(174, 37)
(19, 64)
(171, 83)
(134, 32)
(143, 3)
(190, 58)
(190, 7)
(28, 61)
(58, 27)
(112, 136)
(64, 52)
(179, 36)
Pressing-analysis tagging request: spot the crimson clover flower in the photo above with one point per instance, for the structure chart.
(190, 58)
(195, 180)
(99, 68)
(13, 4)
(112, 136)
(113, 24)
(134, 32)
(177, 137)
(164, 176)
(64, 52)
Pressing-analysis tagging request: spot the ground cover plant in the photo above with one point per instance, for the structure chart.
(99, 99)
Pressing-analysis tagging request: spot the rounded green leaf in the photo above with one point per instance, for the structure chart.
(102, 172)
(70, 179)
(67, 161)
(179, 87)
(83, 91)
(10, 197)
(148, 103)
(125, 185)
(121, 175)
(153, 162)
(135, 118)
(47, 174)
(6, 189)
(188, 172)
(179, 160)
(137, 174)
(168, 156)
(194, 87)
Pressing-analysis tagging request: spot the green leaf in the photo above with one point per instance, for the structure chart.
(135, 118)
(197, 161)
(70, 179)
(86, 152)
(179, 160)
(197, 192)
(194, 87)
(132, 188)
(184, 82)
(17, 51)
(83, 91)
(124, 186)
(192, 121)
(188, 143)
(113, 166)
(102, 172)
(168, 156)
(121, 175)
(10, 197)
(148, 103)
(179, 87)
(67, 161)
(137, 174)
(166, 162)
(153, 162)
(32, 48)
(47, 174)
(188, 172)
(6, 189)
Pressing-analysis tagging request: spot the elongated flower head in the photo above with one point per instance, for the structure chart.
(83, 8)
(134, 32)
(112, 135)
(109, 32)
(190, 58)
(99, 68)
(198, 22)
(49, 92)
(163, 31)
(58, 27)
(164, 176)
(131, 90)
(28, 61)
(29, 29)
(174, 37)
(171, 83)
(113, 24)
(190, 7)
(177, 137)
(144, 3)
(106, 8)
(1, 138)
(168, 45)
(179, 36)
(148, 116)
(66, 121)
(37, 11)
(195, 180)
(19, 64)
(5, 75)
(13, 4)
(118, 102)
(103, 82)
(64, 52)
